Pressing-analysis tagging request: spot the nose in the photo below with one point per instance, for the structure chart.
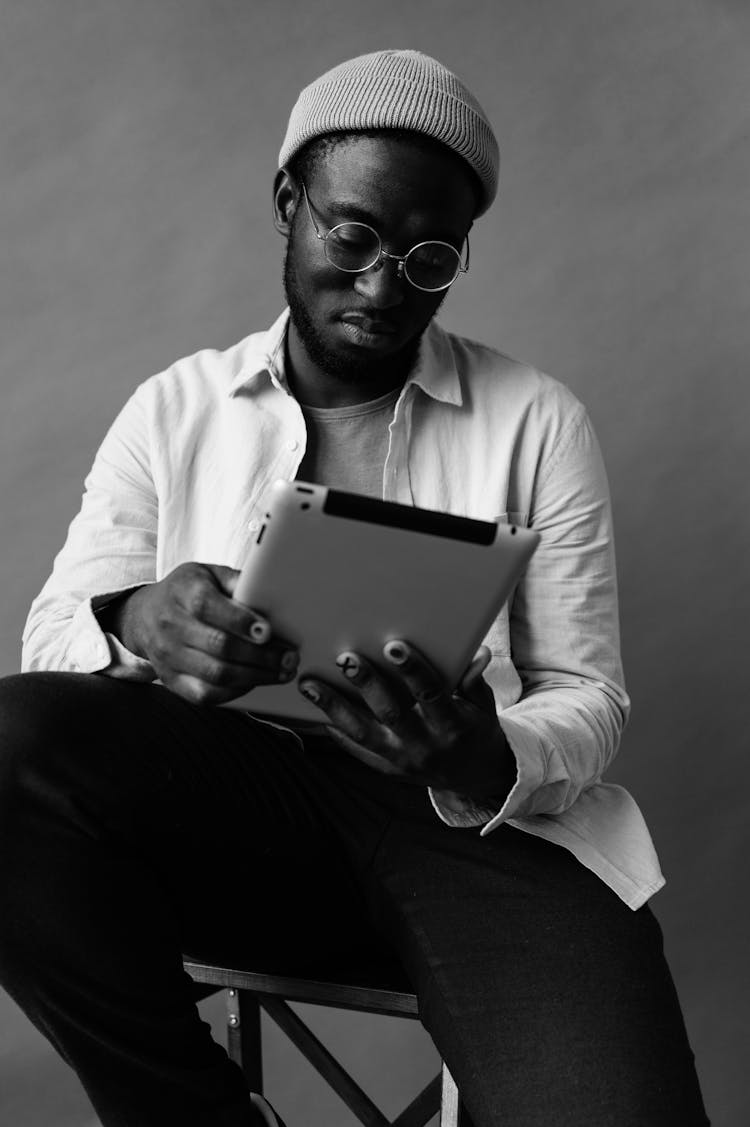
(382, 285)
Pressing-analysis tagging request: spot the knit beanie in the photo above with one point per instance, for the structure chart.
(397, 90)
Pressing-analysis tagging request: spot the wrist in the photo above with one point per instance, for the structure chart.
(497, 780)
(123, 618)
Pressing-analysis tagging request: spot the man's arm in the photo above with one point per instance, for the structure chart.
(103, 611)
(564, 630)
(110, 549)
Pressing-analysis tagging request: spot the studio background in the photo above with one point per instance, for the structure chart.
(138, 142)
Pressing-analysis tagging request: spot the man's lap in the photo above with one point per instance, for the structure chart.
(271, 851)
(232, 811)
(225, 802)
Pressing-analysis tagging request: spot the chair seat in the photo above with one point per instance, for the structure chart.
(375, 988)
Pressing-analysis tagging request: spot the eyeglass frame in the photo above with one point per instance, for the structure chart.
(382, 253)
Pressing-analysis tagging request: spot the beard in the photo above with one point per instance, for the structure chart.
(351, 368)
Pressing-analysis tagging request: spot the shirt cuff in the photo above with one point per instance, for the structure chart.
(530, 766)
(461, 811)
(94, 651)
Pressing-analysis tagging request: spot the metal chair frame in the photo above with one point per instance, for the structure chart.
(248, 992)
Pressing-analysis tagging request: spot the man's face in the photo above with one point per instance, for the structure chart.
(366, 327)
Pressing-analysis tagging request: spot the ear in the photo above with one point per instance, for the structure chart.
(285, 199)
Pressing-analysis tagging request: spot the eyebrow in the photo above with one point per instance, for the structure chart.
(346, 210)
(351, 211)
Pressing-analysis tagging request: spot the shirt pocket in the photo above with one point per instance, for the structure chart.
(498, 639)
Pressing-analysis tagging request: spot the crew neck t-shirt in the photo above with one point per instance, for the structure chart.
(347, 446)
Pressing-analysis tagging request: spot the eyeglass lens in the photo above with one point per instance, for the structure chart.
(355, 247)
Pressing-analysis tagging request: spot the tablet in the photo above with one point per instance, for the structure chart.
(334, 571)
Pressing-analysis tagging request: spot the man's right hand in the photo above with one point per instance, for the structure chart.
(201, 644)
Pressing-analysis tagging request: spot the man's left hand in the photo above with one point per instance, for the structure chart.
(406, 722)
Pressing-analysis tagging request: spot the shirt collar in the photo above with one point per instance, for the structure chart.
(262, 356)
(434, 372)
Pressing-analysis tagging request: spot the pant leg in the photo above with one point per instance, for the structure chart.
(134, 826)
(121, 806)
(549, 998)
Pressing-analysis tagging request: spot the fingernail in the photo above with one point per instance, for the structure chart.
(260, 631)
(309, 691)
(396, 652)
(289, 661)
(348, 663)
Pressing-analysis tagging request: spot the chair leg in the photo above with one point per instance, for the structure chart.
(244, 1048)
(325, 1063)
(243, 1036)
(423, 1107)
(450, 1104)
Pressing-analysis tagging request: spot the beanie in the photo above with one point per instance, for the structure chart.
(397, 90)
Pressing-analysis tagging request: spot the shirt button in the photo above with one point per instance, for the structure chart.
(293, 444)
(253, 525)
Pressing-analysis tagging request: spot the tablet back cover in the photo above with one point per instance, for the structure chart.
(333, 571)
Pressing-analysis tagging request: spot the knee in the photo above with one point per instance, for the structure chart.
(71, 742)
(25, 705)
(37, 714)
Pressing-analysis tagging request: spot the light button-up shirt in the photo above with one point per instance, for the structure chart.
(181, 476)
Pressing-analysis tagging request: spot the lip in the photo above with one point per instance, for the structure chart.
(370, 326)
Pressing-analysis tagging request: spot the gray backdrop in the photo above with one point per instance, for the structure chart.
(139, 141)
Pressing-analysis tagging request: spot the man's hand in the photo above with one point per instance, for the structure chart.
(202, 644)
(408, 724)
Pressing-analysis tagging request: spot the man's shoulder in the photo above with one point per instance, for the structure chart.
(489, 375)
(200, 379)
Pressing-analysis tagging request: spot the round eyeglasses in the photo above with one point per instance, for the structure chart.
(356, 247)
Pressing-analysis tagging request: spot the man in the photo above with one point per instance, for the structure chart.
(467, 835)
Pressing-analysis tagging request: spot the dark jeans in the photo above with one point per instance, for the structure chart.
(134, 826)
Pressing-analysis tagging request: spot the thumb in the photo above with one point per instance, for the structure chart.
(226, 577)
(472, 686)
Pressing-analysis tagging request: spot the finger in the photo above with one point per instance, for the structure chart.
(473, 687)
(226, 577)
(203, 599)
(479, 663)
(480, 695)
(425, 684)
(387, 700)
(259, 628)
(350, 718)
(369, 758)
(200, 691)
(226, 679)
(217, 643)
